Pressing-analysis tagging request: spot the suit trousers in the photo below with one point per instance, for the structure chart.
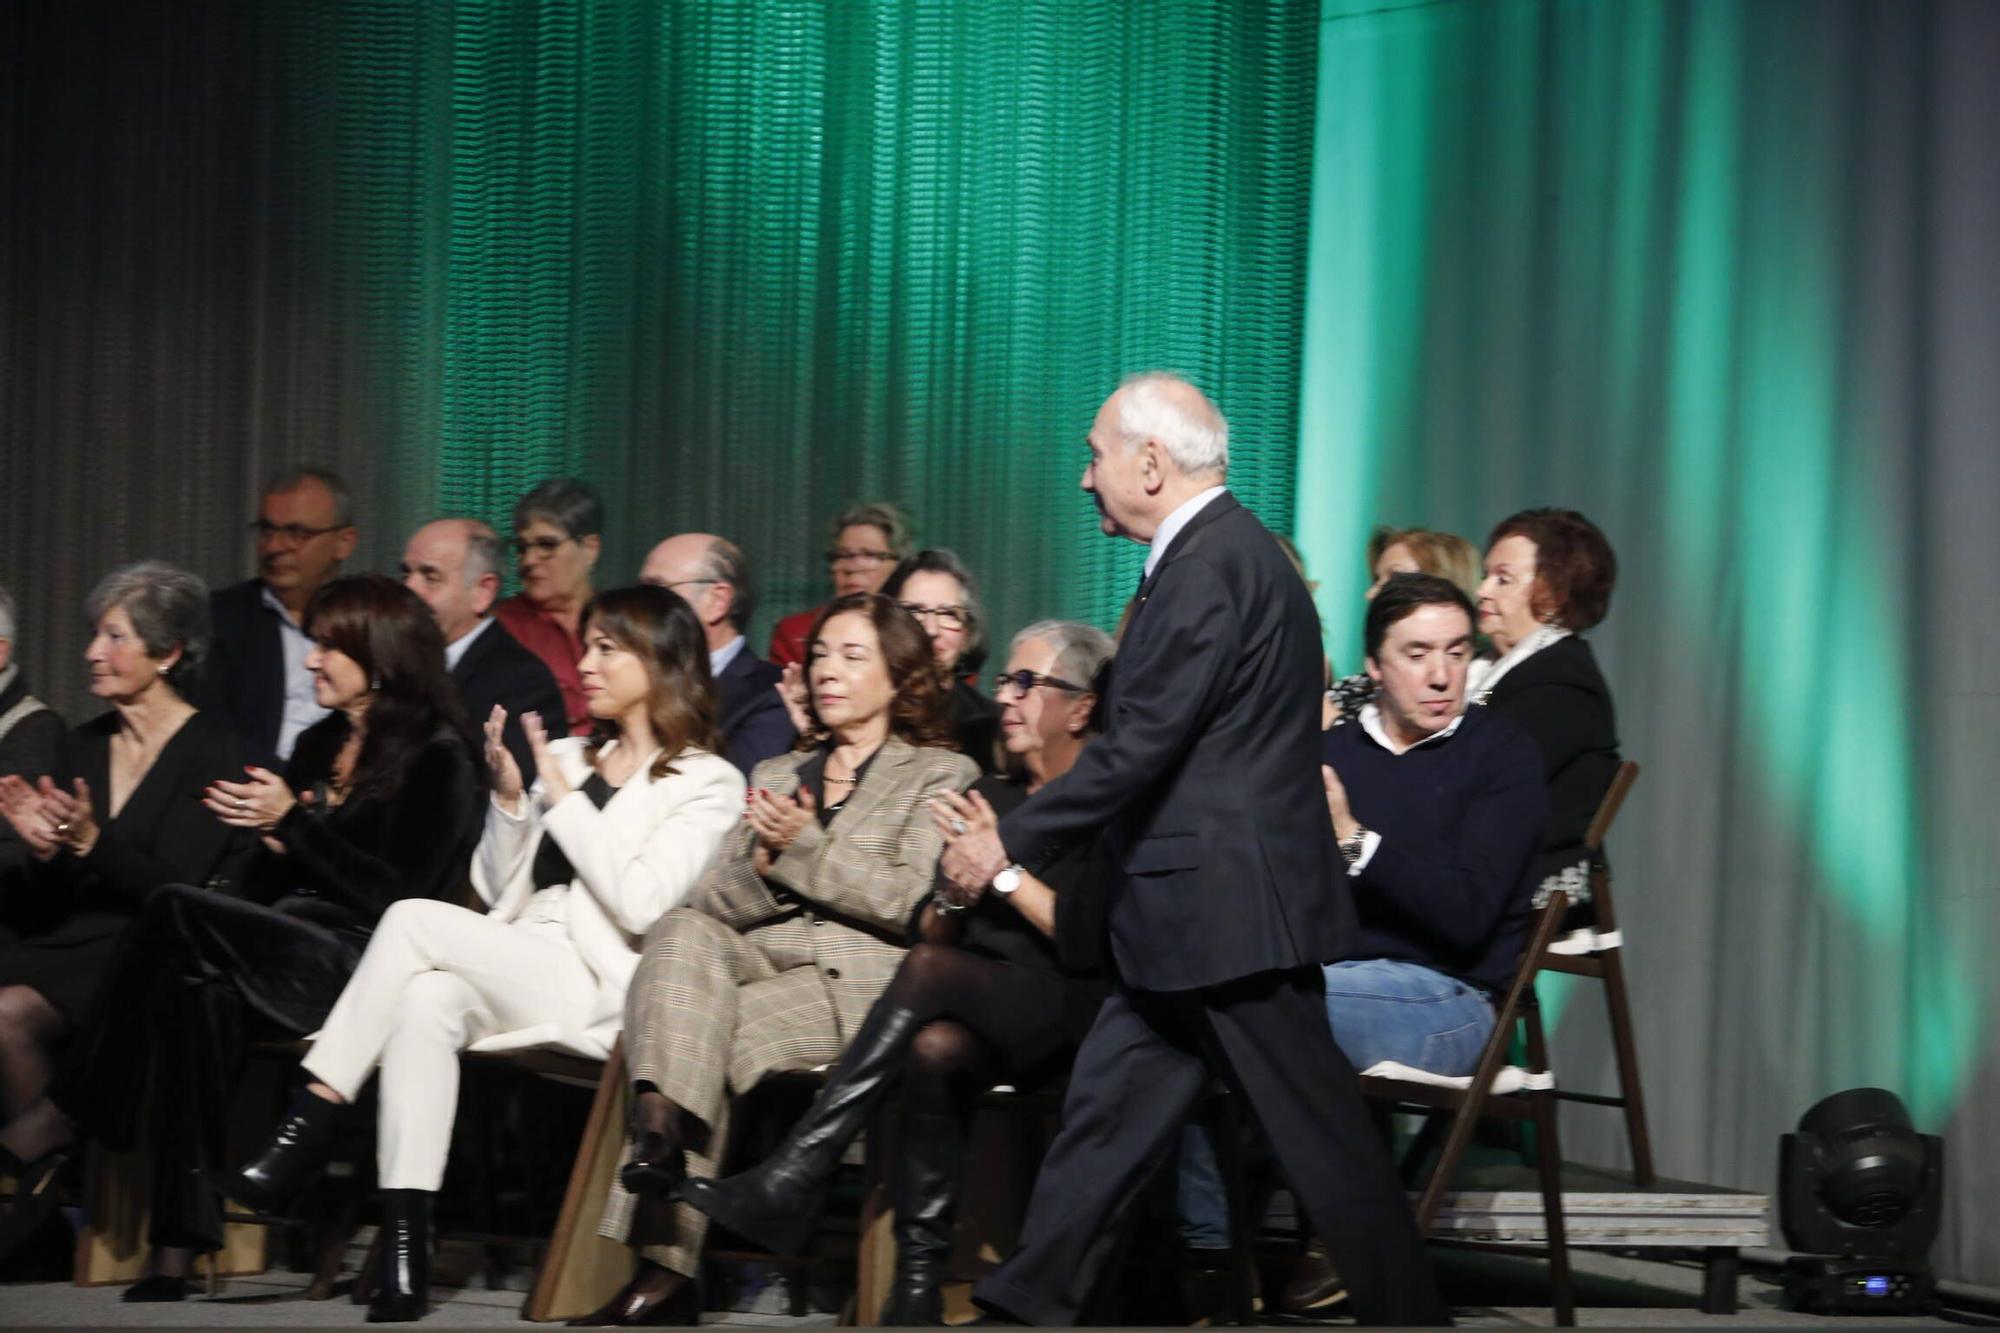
(1146, 1062)
(713, 1010)
(434, 979)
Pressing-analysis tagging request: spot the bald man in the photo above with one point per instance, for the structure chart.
(711, 575)
(454, 565)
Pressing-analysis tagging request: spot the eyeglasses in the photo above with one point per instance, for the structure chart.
(538, 545)
(292, 534)
(682, 583)
(1027, 680)
(843, 555)
(947, 617)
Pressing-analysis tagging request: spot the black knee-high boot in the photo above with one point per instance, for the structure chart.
(403, 1282)
(930, 1156)
(777, 1203)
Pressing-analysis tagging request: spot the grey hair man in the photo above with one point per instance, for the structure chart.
(454, 565)
(711, 575)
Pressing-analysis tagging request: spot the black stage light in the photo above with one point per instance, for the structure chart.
(1861, 1193)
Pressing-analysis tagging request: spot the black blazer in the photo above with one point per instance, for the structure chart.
(31, 749)
(496, 669)
(358, 857)
(243, 682)
(1206, 781)
(753, 721)
(1558, 696)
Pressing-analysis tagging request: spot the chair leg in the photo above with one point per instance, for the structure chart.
(1548, 1157)
(1626, 1050)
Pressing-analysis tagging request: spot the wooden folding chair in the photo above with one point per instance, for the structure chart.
(1595, 952)
(1528, 1094)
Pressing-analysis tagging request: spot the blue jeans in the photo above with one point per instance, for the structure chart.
(1380, 1009)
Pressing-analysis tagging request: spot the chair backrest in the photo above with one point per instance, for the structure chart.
(1593, 838)
(1607, 809)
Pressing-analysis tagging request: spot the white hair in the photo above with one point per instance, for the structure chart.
(1159, 405)
(6, 615)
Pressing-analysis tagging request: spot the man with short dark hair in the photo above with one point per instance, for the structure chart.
(257, 675)
(1437, 810)
(454, 565)
(712, 576)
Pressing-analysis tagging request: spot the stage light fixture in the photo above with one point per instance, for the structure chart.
(1860, 1192)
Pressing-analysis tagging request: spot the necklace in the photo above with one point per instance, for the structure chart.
(842, 782)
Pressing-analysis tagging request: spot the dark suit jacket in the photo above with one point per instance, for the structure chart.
(496, 669)
(753, 721)
(1558, 696)
(31, 749)
(244, 681)
(1206, 781)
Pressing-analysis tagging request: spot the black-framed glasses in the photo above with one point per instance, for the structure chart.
(947, 617)
(1027, 680)
(293, 534)
(524, 546)
(847, 555)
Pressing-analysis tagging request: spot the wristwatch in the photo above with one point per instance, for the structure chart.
(1351, 845)
(1008, 880)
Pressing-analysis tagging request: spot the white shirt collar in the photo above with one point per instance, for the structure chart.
(454, 652)
(1371, 722)
(1513, 657)
(720, 658)
(1170, 527)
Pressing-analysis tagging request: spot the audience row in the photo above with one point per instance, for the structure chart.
(413, 819)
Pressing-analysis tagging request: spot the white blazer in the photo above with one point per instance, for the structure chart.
(636, 860)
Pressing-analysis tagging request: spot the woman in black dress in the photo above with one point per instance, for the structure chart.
(982, 997)
(1549, 576)
(381, 802)
(103, 837)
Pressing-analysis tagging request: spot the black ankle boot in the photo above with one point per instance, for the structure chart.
(297, 1149)
(778, 1203)
(403, 1278)
(930, 1155)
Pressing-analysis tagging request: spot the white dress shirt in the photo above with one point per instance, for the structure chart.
(454, 652)
(301, 709)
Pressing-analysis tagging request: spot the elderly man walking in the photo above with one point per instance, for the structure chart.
(1228, 894)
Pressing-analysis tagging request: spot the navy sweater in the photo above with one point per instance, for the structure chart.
(1452, 882)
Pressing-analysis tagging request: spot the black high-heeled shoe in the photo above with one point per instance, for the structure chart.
(658, 1164)
(634, 1307)
(297, 1149)
(36, 1190)
(403, 1278)
(156, 1287)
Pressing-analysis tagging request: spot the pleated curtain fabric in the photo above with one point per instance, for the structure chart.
(734, 265)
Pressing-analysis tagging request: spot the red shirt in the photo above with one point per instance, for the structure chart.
(544, 636)
(788, 638)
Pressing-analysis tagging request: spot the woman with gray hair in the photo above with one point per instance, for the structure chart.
(124, 819)
(996, 986)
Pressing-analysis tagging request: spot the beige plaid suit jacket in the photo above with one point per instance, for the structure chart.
(757, 975)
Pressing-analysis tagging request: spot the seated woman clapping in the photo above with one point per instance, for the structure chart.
(778, 957)
(980, 997)
(616, 830)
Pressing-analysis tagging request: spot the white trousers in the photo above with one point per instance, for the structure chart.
(436, 978)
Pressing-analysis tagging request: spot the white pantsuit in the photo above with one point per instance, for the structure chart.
(546, 967)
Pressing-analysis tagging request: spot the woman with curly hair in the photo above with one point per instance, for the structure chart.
(781, 951)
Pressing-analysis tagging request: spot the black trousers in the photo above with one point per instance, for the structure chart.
(1145, 1063)
(196, 976)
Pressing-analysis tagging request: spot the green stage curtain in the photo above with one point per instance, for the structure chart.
(1722, 276)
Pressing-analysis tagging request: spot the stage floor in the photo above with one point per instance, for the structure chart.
(1487, 1290)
